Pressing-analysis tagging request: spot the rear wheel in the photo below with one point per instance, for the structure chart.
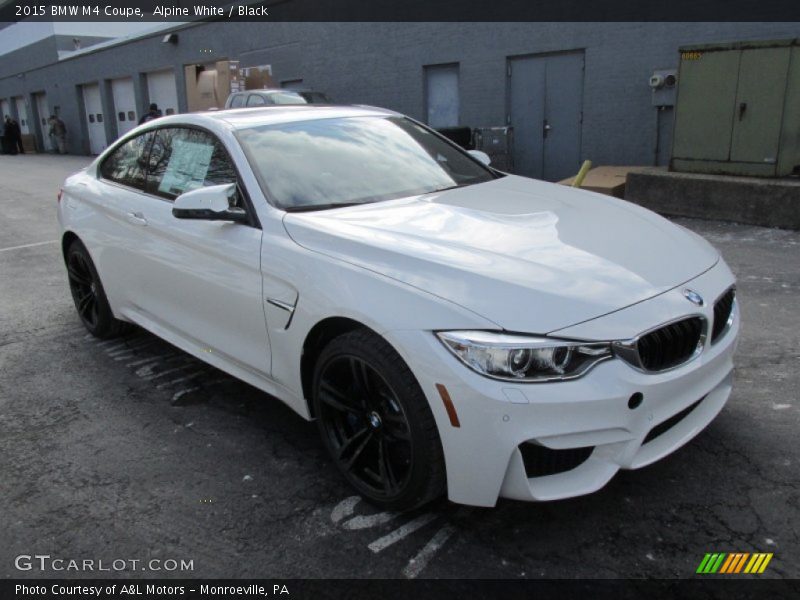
(88, 294)
(376, 423)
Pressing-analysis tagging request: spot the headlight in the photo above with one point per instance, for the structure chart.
(523, 358)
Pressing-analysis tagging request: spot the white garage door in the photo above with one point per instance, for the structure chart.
(22, 115)
(124, 105)
(94, 118)
(162, 90)
(43, 109)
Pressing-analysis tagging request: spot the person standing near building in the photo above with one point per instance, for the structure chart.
(52, 145)
(16, 136)
(9, 142)
(152, 113)
(58, 133)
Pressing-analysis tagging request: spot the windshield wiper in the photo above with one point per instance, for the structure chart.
(452, 187)
(313, 207)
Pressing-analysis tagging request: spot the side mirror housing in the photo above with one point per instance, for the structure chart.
(481, 156)
(210, 203)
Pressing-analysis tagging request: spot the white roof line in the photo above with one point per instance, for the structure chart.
(157, 29)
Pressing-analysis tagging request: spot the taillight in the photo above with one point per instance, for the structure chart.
(60, 192)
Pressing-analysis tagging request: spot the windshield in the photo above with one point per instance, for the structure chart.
(354, 160)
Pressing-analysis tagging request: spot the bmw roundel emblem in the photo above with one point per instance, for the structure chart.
(693, 297)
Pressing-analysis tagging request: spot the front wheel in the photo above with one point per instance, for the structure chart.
(376, 423)
(88, 294)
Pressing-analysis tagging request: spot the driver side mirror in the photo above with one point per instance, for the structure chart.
(212, 203)
(481, 156)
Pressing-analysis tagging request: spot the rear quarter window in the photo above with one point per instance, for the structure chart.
(127, 165)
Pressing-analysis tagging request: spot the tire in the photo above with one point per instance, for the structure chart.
(376, 423)
(88, 294)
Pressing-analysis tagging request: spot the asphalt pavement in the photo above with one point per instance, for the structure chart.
(132, 450)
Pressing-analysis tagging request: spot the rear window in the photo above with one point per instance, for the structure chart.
(287, 98)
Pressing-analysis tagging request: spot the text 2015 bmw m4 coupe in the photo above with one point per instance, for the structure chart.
(452, 329)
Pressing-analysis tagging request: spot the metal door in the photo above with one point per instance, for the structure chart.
(705, 107)
(162, 90)
(94, 118)
(545, 108)
(22, 115)
(441, 95)
(759, 105)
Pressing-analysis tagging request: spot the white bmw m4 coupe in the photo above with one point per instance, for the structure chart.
(451, 328)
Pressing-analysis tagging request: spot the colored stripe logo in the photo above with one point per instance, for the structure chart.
(734, 562)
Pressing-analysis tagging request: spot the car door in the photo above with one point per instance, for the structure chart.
(111, 230)
(199, 279)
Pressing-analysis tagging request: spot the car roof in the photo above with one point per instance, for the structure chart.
(240, 118)
(267, 91)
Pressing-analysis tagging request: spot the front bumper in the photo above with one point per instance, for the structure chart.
(483, 455)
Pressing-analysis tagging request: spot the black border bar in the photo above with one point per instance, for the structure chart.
(408, 10)
(707, 587)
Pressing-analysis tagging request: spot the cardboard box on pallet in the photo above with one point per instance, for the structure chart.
(208, 85)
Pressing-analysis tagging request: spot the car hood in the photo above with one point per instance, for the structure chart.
(528, 255)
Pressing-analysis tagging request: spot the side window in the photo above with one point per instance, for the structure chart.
(237, 101)
(127, 165)
(184, 159)
(255, 100)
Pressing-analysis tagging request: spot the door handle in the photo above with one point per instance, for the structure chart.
(136, 218)
(545, 128)
(742, 108)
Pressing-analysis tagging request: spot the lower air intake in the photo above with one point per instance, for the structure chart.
(540, 461)
(665, 426)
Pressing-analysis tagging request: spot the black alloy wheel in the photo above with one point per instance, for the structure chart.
(89, 295)
(366, 426)
(83, 285)
(376, 423)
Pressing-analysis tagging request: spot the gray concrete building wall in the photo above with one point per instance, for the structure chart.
(33, 56)
(382, 64)
(40, 53)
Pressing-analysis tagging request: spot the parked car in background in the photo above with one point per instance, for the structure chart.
(313, 97)
(450, 328)
(250, 98)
